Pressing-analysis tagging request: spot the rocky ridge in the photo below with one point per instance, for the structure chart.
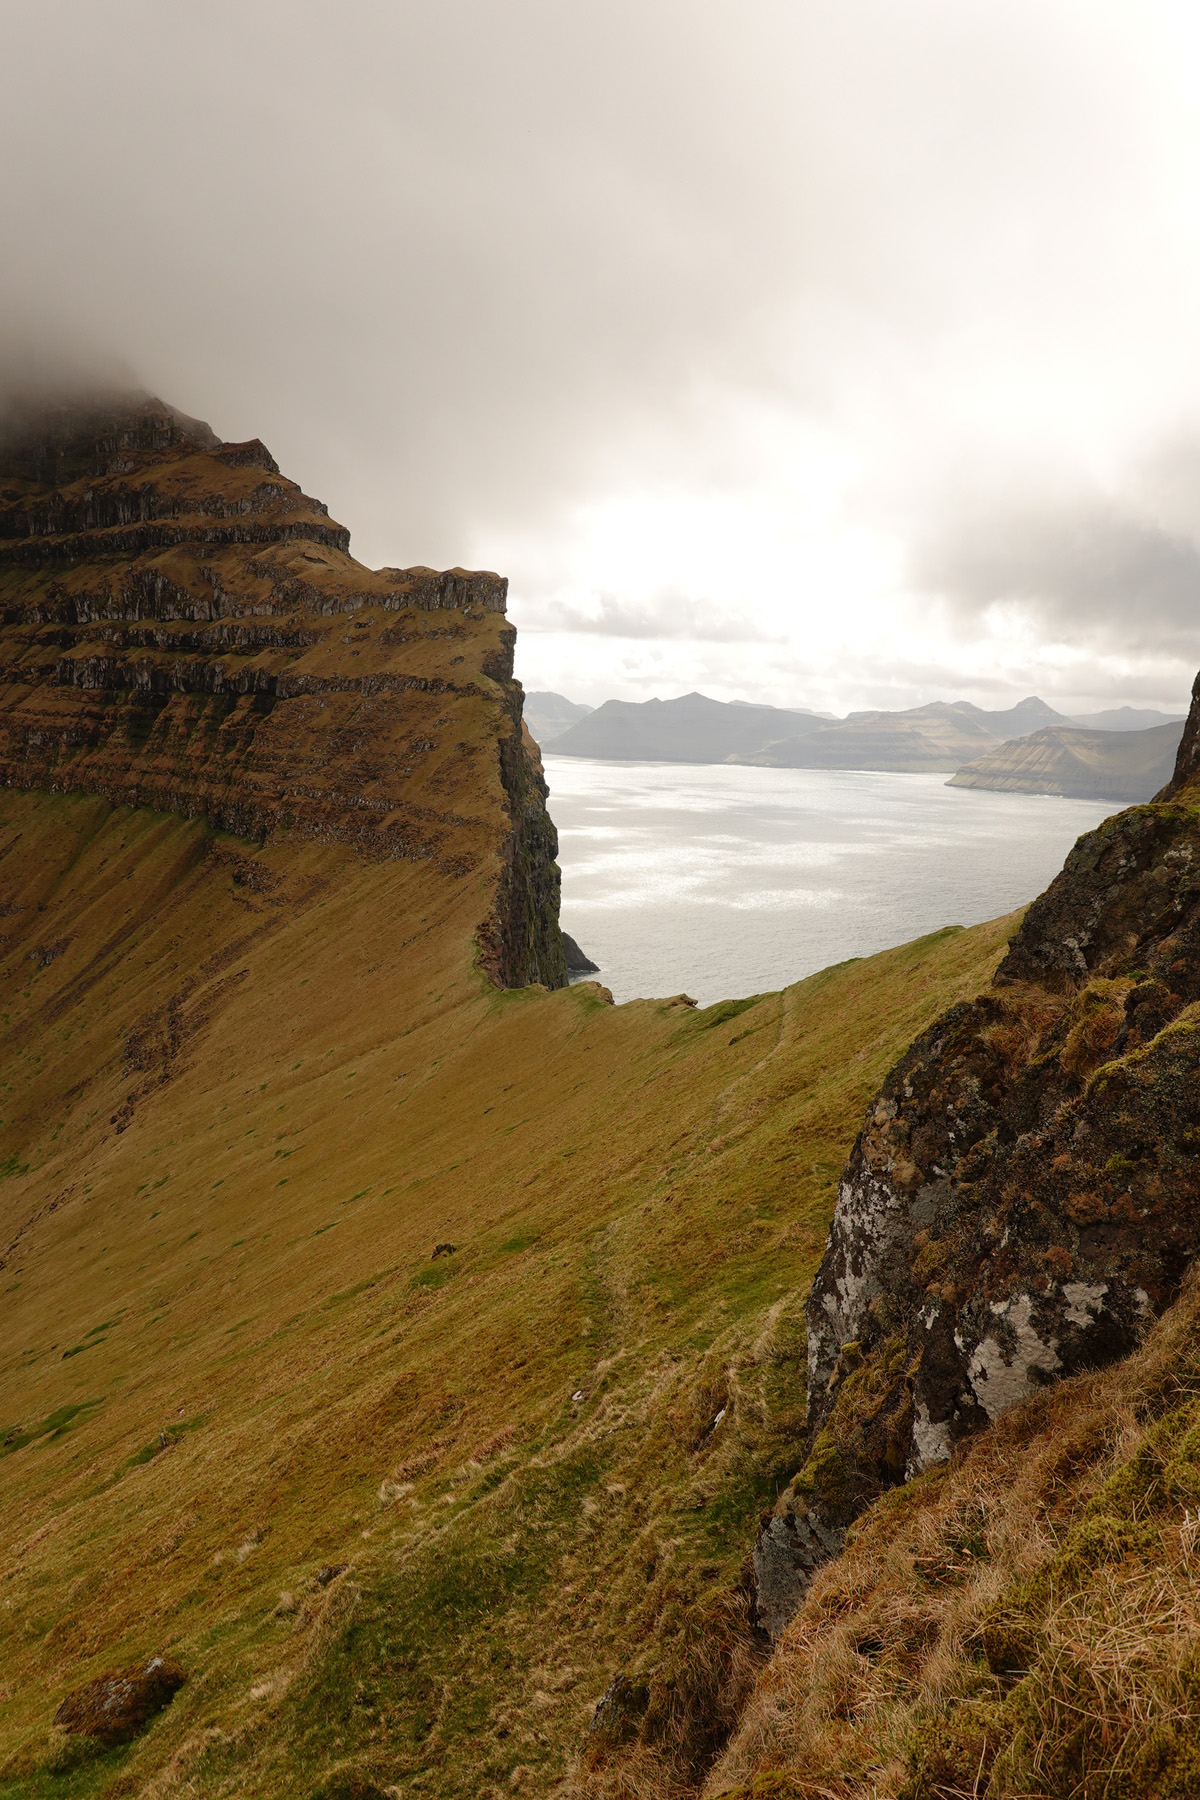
(184, 629)
(1024, 1196)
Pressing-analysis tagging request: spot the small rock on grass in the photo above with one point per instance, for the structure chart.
(114, 1708)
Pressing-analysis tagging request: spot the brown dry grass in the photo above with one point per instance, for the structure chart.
(893, 1680)
(236, 1288)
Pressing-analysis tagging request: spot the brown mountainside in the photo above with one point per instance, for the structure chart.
(393, 1363)
(184, 629)
(401, 1350)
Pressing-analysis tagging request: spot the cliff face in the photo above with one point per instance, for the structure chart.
(184, 629)
(1187, 759)
(1024, 1196)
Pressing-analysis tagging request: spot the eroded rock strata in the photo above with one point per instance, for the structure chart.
(184, 629)
(1024, 1196)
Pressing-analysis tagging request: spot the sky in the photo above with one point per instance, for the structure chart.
(828, 353)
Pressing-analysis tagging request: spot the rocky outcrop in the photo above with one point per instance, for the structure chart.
(1024, 1196)
(184, 629)
(523, 935)
(114, 1709)
(1187, 758)
(578, 961)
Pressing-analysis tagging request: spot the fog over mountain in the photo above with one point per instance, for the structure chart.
(827, 353)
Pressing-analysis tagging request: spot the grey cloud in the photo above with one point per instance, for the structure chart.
(667, 616)
(448, 260)
(455, 261)
(1106, 568)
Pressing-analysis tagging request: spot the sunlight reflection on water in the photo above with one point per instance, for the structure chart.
(723, 881)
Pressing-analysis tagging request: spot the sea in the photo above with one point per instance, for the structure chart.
(720, 881)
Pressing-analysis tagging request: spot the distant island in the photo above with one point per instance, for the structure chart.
(1123, 754)
(1086, 765)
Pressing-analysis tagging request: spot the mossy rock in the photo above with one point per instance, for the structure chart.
(115, 1708)
(823, 1482)
(619, 1714)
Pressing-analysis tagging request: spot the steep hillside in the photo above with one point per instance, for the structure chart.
(1087, 765)
(396, 1351)
(1127, 718)
(1020, 1623)
(549, 715)
(249, 1096)
(693, 728)
(928, 739)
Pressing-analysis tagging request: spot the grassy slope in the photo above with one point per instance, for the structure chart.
(244, 1101)
(1021, 1623)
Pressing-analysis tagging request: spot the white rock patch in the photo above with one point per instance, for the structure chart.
(1001, 1379)
(1083, 1300)
(930, 1442)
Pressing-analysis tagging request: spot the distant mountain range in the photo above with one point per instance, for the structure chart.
(1126, 718)
(1122, 754)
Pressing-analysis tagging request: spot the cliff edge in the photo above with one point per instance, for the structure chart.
(184, 629)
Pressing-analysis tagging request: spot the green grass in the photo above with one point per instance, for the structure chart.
(53, 1426)
(364, 1405)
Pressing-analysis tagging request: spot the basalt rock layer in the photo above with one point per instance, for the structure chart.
(184, 629)
(1024, 1196)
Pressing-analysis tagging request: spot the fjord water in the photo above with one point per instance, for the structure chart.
(721, 881)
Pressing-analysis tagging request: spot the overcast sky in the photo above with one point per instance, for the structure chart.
(825, 352)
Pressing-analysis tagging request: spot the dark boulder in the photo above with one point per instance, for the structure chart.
(114, 1708)
(620, 1710)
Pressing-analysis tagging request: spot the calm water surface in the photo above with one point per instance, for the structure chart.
(721, 881)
